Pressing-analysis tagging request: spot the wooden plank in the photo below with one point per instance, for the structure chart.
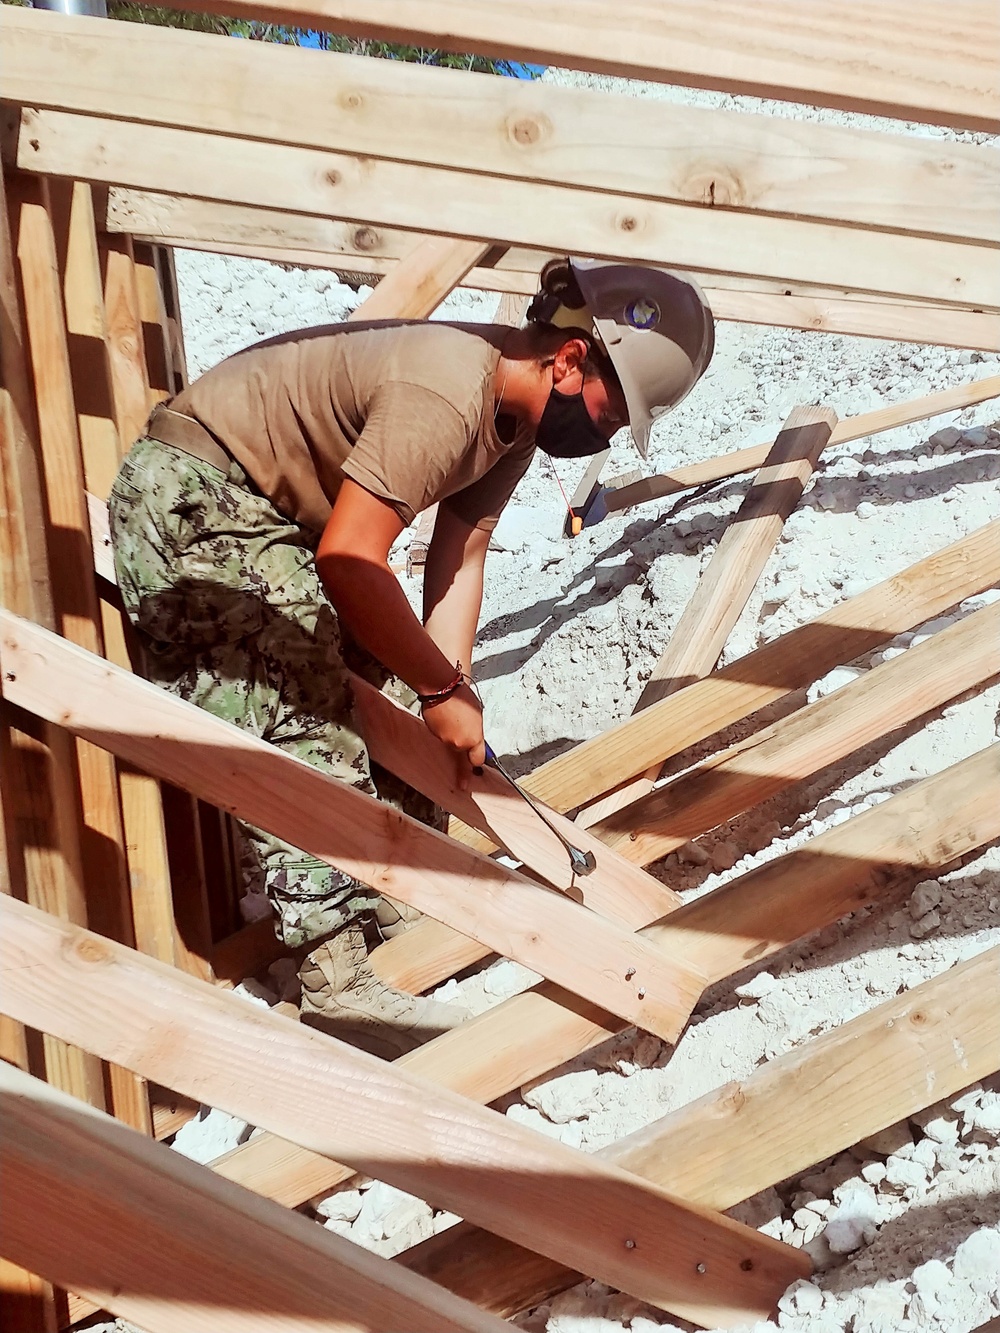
(851, 428)
(724, 589)
(296, 1081)
(125, 343)
(49, 321)
(155, 329)
(791, 662)
(584, 138)
(847, 55)
(422, 279)
(544, 216)
(157, 1239)
(912, 834)
(172, 739)
(739, 1139)
(963, 657)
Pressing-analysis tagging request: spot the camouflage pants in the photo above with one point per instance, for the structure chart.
(231, 615)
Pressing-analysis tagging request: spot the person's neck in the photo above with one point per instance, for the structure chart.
(520, 391)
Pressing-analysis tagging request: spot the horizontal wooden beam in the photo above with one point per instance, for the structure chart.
(217, 762)
(859, 862)
(303, 1085)
(164, 1242)
(796, 1110)
(932, 62)
(506, 128)
(961, 658)
(544, 216)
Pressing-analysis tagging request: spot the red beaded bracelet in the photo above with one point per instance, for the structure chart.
(439, 696)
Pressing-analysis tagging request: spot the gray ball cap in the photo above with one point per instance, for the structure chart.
(656, 327)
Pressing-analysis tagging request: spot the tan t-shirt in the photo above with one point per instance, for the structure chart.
(404, 409)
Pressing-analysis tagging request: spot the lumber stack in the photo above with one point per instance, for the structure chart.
(119, 915)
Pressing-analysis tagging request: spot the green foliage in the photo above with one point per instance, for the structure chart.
(253, 30)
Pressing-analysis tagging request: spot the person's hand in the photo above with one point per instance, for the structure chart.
(458, 721)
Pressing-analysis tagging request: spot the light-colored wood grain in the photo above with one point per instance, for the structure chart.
(159, 1240)
(179, 742)
(422, 279)
(920, 829)
(960, 658)
(278, 1074)
(930, 63)
(544, 216)
(585, 138)
(851, 428)
(722, 592)
(732, 1143)
(840, 635)
(125, 345)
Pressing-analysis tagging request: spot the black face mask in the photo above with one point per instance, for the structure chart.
(566, 429)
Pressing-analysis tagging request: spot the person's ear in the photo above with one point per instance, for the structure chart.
(567, 367)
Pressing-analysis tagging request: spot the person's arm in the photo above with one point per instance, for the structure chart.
(453, 585)
(353, 563)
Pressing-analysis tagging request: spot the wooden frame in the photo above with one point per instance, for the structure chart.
(828, 228)
(308, 1087)
(505, 128)
(407, 195)
(943, 74)
(175, 740)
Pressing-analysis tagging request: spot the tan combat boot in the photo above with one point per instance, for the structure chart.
(342, 996)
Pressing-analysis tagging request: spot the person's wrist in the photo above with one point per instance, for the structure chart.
(432, 697)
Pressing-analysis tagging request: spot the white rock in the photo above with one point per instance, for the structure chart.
(855, 1220)
(757, 987)
(866, 510)
(833, 680)
(977, 1259)
(903, 1173)
(342, 1207)
(570, 1097)
(942, 1130)
(803, 1298)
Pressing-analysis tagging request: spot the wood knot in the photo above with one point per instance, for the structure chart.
(628, 223)
(332, 177)
(918, 1018)
(716, 188)
(366, 238)
(88, 949)
(736, 1100)
(352, 100)
(527, 130)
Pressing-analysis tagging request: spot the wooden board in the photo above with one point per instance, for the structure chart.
(847, 55)
(544, 216)
(890, 1063)
(513, 128)
(179, 742)
(722, 592)
(421, 280)
(912, 834)
(160, 1240)
(278, 1074)
(963, 657)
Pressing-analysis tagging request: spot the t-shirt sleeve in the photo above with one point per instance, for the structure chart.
(481, 504)
(412, 444)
